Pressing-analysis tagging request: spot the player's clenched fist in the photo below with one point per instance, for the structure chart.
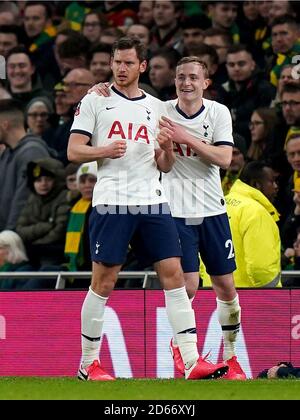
(116, 149)
(164, 139)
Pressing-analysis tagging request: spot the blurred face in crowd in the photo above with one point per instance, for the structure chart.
(237, 161)
(35, 20)
(285, 78)
(86, 185)
(140, 32)
(7, 18)
(19, 72)
(219, 44)
(290, 102)
(100, 66)
(250, 10)
(160, 74)
(293, 153)
(164, 14)
(7, 42)
(38, 118)
(223, 14)
(126, 67)
(268, 185)
(76, 84)
(192, 37)
(211, 67)
(43, 185)
(277, 9)
(61, 106)
(240, 66)
(92, 28)
(71, 182)
(190, 82)
(284, 37)
(264, 8)
(145, 13)
(257, 128)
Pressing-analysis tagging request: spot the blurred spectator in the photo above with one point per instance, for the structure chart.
(9, 13)
(162, 72)
(291, 226)
(166, 31)
(246, 89)
(92, 25)
(285, 44)
(110, 35)
(9, 38)
(145, 13)
(77, 247)
(253, 218)
(13, 258)
(193, 28)
(24, 83)
(261, 124)
(37, 24)
(21, 148)
(71, 183)
(99, 59)
(285, 78)
(221, 42)
(140, 32)
(77, 243)
(38, 114)
(43, 220)
(281, 8)
(237, 163)
(76, 84)
(72, 53)
(223, 16)
(62, 109)
(119, 13)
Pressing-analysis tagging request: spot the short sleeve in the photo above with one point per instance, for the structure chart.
(223, 127)
(85, 116)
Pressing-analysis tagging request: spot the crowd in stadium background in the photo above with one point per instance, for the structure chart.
(55, 51)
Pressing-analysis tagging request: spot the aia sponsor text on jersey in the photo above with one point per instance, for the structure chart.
(129, 131)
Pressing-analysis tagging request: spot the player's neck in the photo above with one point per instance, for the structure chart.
(131, 91)
(190, 107)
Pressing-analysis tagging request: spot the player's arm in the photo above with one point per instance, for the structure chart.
(80, 151)
(165, 157)
(217, 155)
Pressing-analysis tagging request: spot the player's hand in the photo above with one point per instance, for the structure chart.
(116, 149)
(178, 132)
(102, 89)
(164, 139)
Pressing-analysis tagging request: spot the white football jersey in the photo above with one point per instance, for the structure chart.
(134, 178)
(193, 186)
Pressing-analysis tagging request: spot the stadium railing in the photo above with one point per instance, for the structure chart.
(61, 276)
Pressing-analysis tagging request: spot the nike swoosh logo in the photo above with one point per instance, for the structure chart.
(108, 108)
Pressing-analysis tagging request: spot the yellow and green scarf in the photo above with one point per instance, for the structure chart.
(74, 245)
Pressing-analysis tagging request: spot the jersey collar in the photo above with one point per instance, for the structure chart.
(138, 98)
(189, 117)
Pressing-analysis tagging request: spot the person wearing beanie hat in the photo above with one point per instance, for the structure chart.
(38, 114)
(43, 220)
(77, 239)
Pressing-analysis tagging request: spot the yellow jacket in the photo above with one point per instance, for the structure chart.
(255, 236)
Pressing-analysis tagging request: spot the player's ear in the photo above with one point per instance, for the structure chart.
(207, 82)
(143, 66)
